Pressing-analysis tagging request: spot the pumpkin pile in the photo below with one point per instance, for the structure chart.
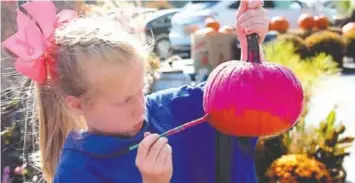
(306, 22)
(212, 27)
(321, 22)
(279, 23)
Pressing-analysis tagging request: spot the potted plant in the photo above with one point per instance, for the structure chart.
(332, 147)
(294, 168)
(324, 143)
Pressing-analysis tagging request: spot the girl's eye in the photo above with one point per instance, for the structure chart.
(127, 100)
(122, 102)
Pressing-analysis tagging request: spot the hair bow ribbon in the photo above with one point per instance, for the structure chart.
(34, 39)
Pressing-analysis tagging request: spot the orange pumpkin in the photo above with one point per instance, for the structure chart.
(306, 21)
(208, 31)
(321, 22)
(349, 30)
(226, 30)
(212, 23)
(279, 23)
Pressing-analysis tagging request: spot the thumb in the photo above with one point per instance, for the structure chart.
(243, 6)
(255, 4)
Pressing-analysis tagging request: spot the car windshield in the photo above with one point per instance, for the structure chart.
(199, 5)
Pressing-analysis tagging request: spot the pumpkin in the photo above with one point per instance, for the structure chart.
(279, 23)
(226, 30)
(208, 31)
(252, 97)
(211, 22)
(349, 30)
(321, 22)
(306, 21)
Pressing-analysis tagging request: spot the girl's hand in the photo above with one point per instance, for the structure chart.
(154, 159)
(251, 18)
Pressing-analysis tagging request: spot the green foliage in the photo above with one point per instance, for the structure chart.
(301, 33)
(332, 148)
(308, 71)
(298, 43)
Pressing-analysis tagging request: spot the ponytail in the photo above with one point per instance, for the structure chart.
(55, 124)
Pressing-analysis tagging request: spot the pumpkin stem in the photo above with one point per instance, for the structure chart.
(253, 48)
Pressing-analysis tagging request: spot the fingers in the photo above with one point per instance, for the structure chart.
(255, 4)
(169, 158)
(251, 13)
(242, 7)
(157, 148)
(144, 146)
(253, 21)
(165, 154)
(255, 28)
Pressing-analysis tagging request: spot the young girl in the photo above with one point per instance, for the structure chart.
(91, 104)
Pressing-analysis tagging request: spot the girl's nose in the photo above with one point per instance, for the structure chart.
(138, 106)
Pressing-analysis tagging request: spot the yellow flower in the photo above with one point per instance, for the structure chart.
(295, 167)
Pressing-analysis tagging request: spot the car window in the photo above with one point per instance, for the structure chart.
(267, 4)
(163, 20)
(199, 5)
(287, 5)
(168, 17)
(235, 5)
(160, 20)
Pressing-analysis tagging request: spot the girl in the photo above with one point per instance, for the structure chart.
(91, 77)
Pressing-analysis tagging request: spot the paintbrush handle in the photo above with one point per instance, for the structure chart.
(177, 129)
(165, 134)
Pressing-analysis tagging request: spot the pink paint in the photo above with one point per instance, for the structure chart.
(252, 97)
(244, 86)
(6, 175)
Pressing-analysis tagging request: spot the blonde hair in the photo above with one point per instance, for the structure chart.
(98, 37)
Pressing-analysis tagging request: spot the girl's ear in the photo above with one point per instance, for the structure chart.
(75, 105)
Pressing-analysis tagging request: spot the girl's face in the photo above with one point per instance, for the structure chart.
(118, 105)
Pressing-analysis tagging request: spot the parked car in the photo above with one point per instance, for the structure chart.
(139, 12)
(158, 26)
(194, 13)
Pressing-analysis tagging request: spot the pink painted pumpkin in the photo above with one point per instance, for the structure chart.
(252, 98)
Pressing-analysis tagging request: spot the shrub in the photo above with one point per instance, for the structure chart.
(308, 71)
(297, 168)
(327, 42)
(298, 43)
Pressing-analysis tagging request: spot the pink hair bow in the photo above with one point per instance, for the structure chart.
(34, 39)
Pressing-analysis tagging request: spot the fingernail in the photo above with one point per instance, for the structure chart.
(146, 134)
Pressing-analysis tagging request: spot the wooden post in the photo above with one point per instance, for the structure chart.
(224, 151)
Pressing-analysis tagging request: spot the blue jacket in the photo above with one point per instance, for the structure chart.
(194, 150)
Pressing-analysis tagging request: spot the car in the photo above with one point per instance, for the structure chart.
(194, 13)
(140, 12)
(157, 27)
(331, 9)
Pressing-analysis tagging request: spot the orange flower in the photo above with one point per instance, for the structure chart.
(297, 168)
